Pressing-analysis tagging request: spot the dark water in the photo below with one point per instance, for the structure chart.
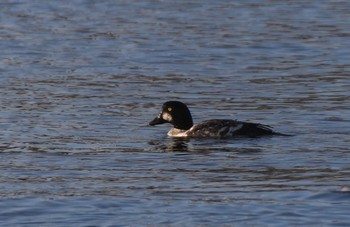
(81, 79)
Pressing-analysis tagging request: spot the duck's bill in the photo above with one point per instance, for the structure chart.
(157, 121)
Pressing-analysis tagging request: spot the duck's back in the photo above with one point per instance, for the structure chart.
(221, 128)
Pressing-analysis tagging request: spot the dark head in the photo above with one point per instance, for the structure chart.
(175, 113)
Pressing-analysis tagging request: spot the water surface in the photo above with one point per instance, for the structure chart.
(80, 80)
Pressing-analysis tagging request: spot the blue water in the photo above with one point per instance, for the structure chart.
(80, 80)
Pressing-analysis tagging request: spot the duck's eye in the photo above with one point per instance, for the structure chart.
(170, 109)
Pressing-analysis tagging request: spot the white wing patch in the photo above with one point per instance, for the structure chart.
(228, 131)
(234, 129)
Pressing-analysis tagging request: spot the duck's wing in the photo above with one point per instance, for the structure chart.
(230, 128)
(215, 128)
(255, 130)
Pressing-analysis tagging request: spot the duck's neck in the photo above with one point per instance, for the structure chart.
(183, 123)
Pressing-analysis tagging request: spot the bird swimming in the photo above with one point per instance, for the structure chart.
(178, 114)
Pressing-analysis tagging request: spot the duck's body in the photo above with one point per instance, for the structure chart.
(177, 114)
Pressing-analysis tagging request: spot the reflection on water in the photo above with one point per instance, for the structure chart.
(174, 145)
(80, 81)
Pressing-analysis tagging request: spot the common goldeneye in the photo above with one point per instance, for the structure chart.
(178, 114)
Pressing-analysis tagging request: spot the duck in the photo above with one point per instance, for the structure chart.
(178, 114)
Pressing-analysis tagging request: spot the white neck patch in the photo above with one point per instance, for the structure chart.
(174, 132)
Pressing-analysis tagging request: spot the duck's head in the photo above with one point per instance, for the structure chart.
(175, 113)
